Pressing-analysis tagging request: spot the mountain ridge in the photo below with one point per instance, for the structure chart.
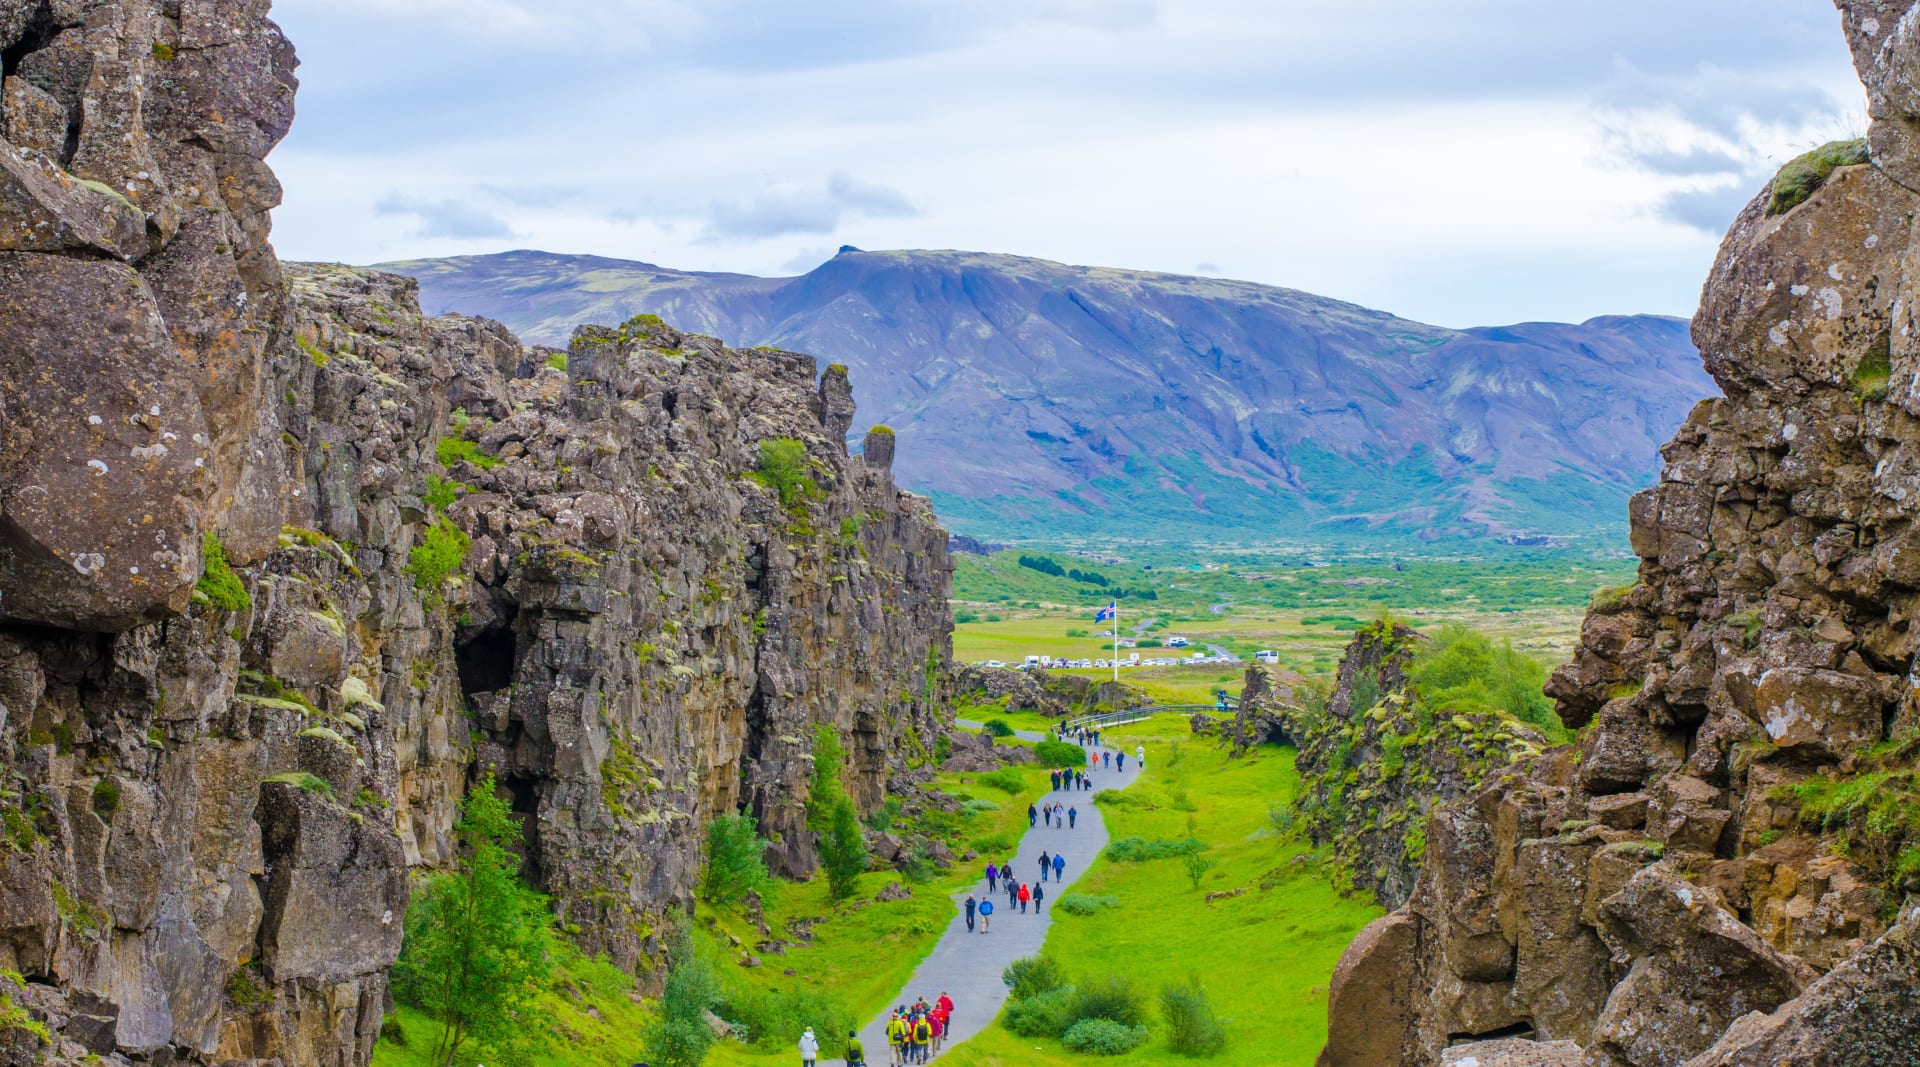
(1049, 399)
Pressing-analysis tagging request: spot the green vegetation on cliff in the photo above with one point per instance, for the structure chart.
(1805, 174)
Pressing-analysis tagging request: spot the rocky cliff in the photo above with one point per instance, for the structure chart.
(1722, 870)
(1375, 757)
(283, 564)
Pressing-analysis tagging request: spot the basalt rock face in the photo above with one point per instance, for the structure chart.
(133, 218)
(1713, 875)
(437, 553)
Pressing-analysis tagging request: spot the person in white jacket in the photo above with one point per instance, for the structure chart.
(809, 1048)
(1140, 754)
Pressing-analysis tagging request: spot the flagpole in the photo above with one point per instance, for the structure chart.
(1116, 641)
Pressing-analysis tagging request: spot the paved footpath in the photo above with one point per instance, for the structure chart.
(967, 966)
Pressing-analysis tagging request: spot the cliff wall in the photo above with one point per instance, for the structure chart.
(284, 565)
(1722, 870)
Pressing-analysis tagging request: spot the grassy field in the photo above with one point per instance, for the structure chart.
(1264, 956)
(1534, 598)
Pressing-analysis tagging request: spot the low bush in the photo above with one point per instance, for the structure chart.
(1006, 780)
(1032, 975)
(1084, 903)
(1060, 754)
(773, 1017)
(1192, 1027)
(994, 844)
(1115, 998)
(998, 728)
(783, 468)
(1042, 1015)
(1103, 1037)
(442, 548)
(1141, 850)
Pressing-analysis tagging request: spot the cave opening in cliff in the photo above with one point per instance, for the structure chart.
(485, 660)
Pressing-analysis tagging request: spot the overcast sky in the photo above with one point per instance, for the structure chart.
(1462, 162)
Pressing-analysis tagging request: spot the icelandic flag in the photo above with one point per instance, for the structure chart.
(1108, 611)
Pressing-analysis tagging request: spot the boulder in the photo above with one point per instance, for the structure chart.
(1823, 713)
(1370, 1013)
(1693, 969)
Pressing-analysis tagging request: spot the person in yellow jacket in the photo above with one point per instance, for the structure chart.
(897, 1039)
(922, 1038)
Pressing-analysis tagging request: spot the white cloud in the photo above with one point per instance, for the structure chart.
(1478, 162)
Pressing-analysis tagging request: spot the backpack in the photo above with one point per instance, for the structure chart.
(922, 1033)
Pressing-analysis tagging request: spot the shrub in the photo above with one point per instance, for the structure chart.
(1198, 865)
(1085, 903)
(1041, 1015)
(1115, 998)
(442, 548)
(453, 451)
(978, 806)
(557, 361)
(1192, 1027)
(218, 583)
(994, 844)
(1060, 754)
(783, 469)
(961, 618)
(1102, 1037)
(441, 492)
(679, 1035)
(772, 1018)
(1460, 670)
(248, 993)
(1141, 850)
(1006, 780)
(736, 860)
(1609, 600)
(106, 798)
(998, 728)
(1032, 975)
(1804, 175)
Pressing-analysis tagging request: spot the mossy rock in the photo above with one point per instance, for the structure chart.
(1804, 175)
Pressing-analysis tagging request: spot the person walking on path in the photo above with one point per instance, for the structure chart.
(856, 1052)
(1045, 860)
(809, 1048)
(1120, 761)
(1033, 816)
(1106, 759)
(1055, 779)
(938, 1027)
(897, 1037)
(922, 1037)
(1013, 892)
(993, 875)
(986, 916)
(1140, 757)
(1039, 895)
(1059, 865)
(1046, 814)
(972, 906)
(1025, 896)
(1073, 814)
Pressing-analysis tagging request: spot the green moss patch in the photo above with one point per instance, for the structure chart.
(1804, 175)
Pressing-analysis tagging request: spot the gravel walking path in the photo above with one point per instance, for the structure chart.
(967, 966)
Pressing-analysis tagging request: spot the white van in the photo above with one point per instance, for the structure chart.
(1267, 655)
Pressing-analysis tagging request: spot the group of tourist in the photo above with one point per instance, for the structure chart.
(1057, 814)
(917, 1032)
(1070, 780)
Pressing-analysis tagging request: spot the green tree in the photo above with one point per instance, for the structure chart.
(479, 943)
(828, 757)
(736, 859)
(843, 850)
(680, 1036)
(783, 468)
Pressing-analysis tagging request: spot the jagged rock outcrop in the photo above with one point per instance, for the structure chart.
(1710, 875)
(1044, 692)
(1374, 758)
(284, 565)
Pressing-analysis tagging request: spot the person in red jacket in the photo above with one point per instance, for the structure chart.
(1026, 895)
